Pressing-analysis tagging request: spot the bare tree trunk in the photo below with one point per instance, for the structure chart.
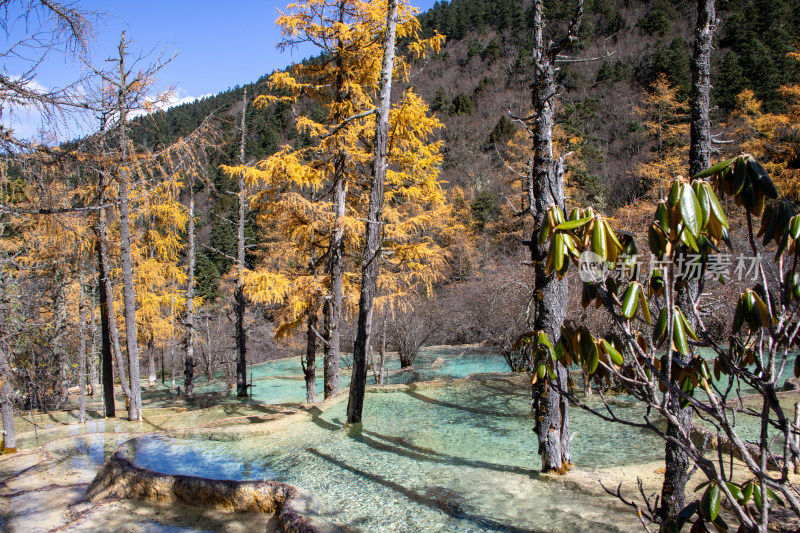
(332, 309)
(59, 338)
(676, 474)
(93, 385)
(81, 348)
(700, 101)
(189, 363)
(106, 316)
(110, 316)
(238, 296)
(172, 336)
(128, 290)
(7, 405)
(550, 407)
(9, 440)
(372, 246)
(310, 366)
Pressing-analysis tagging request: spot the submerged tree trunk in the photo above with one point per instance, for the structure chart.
(81, 349)
(189, 363)
(310, 366)
(238, 295)
(676, 474)
(550, 407)
(372, 245)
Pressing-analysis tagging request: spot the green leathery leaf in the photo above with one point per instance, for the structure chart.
(747, 492)
(643, 305)
(794, 227)
(709, 503)
(716, 207)
(704, 202)
(711, 171)
(771, 228)
(749, 196)
(678, 334)
(777, 499)
(690, 210)
(660, 328)
(559, 249)
(759, 175)
(727, 238)
(687, 327)
(757, 496)
(662, 215)
(735, 491)
(542, 338)
(739, 175)
(541, 370)
(656, 240)
(599, 239)
(688, 387)
(630, 300)
(674, 194)
(738, 316)
(612, 352)
(751, 313)
(610, 235)
(573, 224)
(589, 352)
(689, 240)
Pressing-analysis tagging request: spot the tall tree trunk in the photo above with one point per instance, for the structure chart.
(238, 296)
(332, 309)
(550, 407)
(9, 440)
(189, 363)
(81, 348)
(128, 289)
(676, 474)
(106, 314)
(93, 385)
(7, 404)
(310, 366)
(172, 335)
(372, 246)
(59, 338)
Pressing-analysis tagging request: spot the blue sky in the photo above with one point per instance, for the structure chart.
(219, 44)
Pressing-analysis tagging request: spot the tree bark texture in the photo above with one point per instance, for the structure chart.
(189, 362)
(238, 296)
(700, 101)
(310, 366)
(128, 289)
(550, 296)
(6, 390)
(372, 245)
(676, 474)
(107, 363)
(81, 349)
(93, 384)
(332, 309)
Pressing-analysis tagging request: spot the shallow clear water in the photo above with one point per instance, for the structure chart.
(460, 457)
